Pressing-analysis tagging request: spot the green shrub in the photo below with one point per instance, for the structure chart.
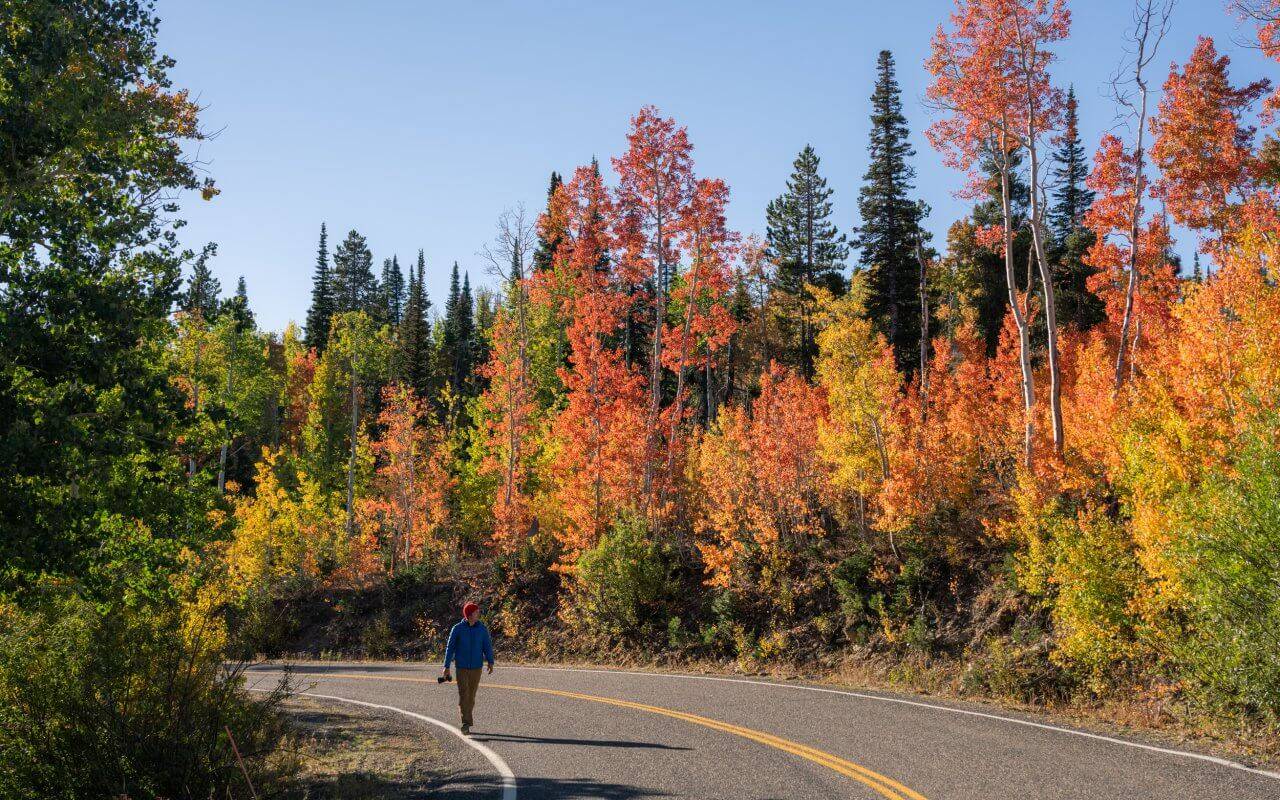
(623, 581)
(124, 701)
(1228, 553)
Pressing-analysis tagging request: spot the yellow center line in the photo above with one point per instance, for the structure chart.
(882, 785)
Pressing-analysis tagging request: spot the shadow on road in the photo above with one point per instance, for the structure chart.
(511, 737)
(473, 786)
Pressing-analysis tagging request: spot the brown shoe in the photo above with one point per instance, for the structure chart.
(466, 729)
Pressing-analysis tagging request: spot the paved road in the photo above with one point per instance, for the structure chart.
(623, 735)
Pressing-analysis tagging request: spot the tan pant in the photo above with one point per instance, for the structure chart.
(468, 682)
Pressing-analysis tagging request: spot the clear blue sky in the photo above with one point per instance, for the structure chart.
(417, 123)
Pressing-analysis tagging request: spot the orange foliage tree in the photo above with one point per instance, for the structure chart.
(408, 505)
(764, 482)
(1203, 147)
(649, 213)
(508, 421)
(600, 458)
(990, 77)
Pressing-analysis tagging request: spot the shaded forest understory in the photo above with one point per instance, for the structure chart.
(1036, 461)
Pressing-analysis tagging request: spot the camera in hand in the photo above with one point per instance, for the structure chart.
(444, 678)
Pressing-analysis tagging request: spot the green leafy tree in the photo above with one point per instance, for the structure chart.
(95, 138)
(806, 248)
(890, 237)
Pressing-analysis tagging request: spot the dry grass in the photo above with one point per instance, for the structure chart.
(347, 754)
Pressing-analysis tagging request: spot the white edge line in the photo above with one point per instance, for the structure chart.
(1223, 762)
(508, 777)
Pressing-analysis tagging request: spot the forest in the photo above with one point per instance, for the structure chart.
(1035, 462)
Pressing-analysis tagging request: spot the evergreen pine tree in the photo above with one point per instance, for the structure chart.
(468, 338)
(1076, 305)
(392, 290)
(413, 340)
(321, 311)
(202, 288)
(890, 232)
(238, 306)
(991, 292)
(545, 252)
(354, 287)
(1072, 198)
(807, 249)
(1197, 272)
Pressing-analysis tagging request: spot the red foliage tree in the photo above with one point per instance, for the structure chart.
(1203, 147)
(600, 459)
(990, 76)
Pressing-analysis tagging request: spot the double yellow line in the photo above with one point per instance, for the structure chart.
(882, 785)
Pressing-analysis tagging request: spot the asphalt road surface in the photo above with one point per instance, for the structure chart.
(572, 733)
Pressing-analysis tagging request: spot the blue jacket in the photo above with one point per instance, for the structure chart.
(469, 645)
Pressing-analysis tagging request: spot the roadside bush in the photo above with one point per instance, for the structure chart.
(622, 581)
(1228, 554)
(125, 701)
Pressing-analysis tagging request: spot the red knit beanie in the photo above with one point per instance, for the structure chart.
(468, 608)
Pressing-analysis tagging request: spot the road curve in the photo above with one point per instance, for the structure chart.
(573, 733)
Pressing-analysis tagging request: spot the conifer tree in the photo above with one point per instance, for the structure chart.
(392, 290)
(458, 339)
(1077, 306)
(890, 232)
(354, 287)
(321, 311)
(1072, 198)
(806, 248)
(413, 340)
(238, 306)
(202, 288)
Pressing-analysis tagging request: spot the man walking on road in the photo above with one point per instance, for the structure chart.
(469, 647)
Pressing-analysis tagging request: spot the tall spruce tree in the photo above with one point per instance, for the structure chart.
(354, 287)
(1076, 305)
(890, 233)
(238, 306)
(1072, 198)
(202, 287)
(413, 340)
(457, 342)
(392, 290)
(321, 311)
(806, 248)
(544, 254)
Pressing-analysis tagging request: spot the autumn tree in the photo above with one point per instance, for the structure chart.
(650, 211)
(764, 484)
(991, 80)
(410, 486)
(1203, 147)
(856, 368)
(509, 399)
(599, 469)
